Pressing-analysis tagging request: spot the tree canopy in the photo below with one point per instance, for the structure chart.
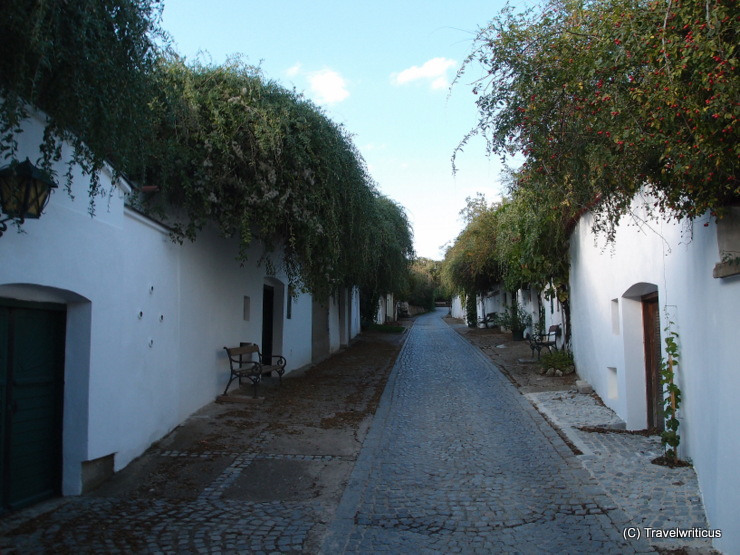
(205, 145)
(424, 287)
(87, 64)
(602, 99)
(605, 97)
(233, 149)
(471, 265)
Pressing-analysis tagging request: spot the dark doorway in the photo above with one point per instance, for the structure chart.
(651, 333)
(32, 339)
(320, 341)
(268, 319)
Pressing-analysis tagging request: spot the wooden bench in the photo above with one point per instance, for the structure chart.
(489, 319)
(243, 365)
(548, 340)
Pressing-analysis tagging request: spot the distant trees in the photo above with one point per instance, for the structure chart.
(424, 286)
(470, 266)
(211, 145)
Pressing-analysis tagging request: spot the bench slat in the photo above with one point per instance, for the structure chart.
(243, 350)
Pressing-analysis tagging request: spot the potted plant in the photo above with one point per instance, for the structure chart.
(515, 319)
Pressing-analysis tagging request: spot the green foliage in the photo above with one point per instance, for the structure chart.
(560, 360)
(209, 145)
(87, 65)
(532, 247)
(471, 311)
(262, 162)
(470, 266)
(423, 285)
(604, 97)
(515, 318)
(517, 243)
(672, 400)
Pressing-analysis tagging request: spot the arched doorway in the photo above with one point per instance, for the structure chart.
(32, 353)
(54, 380)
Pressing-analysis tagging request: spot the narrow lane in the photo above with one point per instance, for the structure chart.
(458, 461)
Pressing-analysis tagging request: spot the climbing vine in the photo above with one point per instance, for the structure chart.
(670, 438)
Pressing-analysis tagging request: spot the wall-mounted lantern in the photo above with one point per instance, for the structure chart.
(24, 192)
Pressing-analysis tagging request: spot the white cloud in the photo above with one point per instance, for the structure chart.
(440, 83)
(294, 70)
(327, 86)
(433, 71)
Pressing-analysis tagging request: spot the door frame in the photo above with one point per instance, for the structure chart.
(651, 335)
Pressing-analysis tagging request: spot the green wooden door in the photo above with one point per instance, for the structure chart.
(32, 337)
(4, 407)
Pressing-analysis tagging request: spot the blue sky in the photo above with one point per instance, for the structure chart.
(382, 69)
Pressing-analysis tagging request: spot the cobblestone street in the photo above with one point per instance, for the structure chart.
(457, 461)
(433, 450)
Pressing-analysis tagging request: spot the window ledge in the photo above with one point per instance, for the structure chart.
(726, 269)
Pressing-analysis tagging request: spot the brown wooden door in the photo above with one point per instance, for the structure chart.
(651, 333)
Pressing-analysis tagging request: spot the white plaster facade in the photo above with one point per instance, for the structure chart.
(498, 301)
(386, 309)
(147, 319)
(457, 308)
(608, 288)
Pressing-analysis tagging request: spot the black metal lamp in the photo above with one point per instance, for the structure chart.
(24, 192)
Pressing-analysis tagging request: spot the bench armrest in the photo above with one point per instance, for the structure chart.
(279, 360)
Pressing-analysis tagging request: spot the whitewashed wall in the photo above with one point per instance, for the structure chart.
(355, 320)
(335, 315)
(491, 302)
(346, 323)
(147, 319)
(457, 308)
(386, 309)
(606, 285)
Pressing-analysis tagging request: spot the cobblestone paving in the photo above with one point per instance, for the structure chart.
(652, 496)
(457, 461)
(250, 476)
(209, 524)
